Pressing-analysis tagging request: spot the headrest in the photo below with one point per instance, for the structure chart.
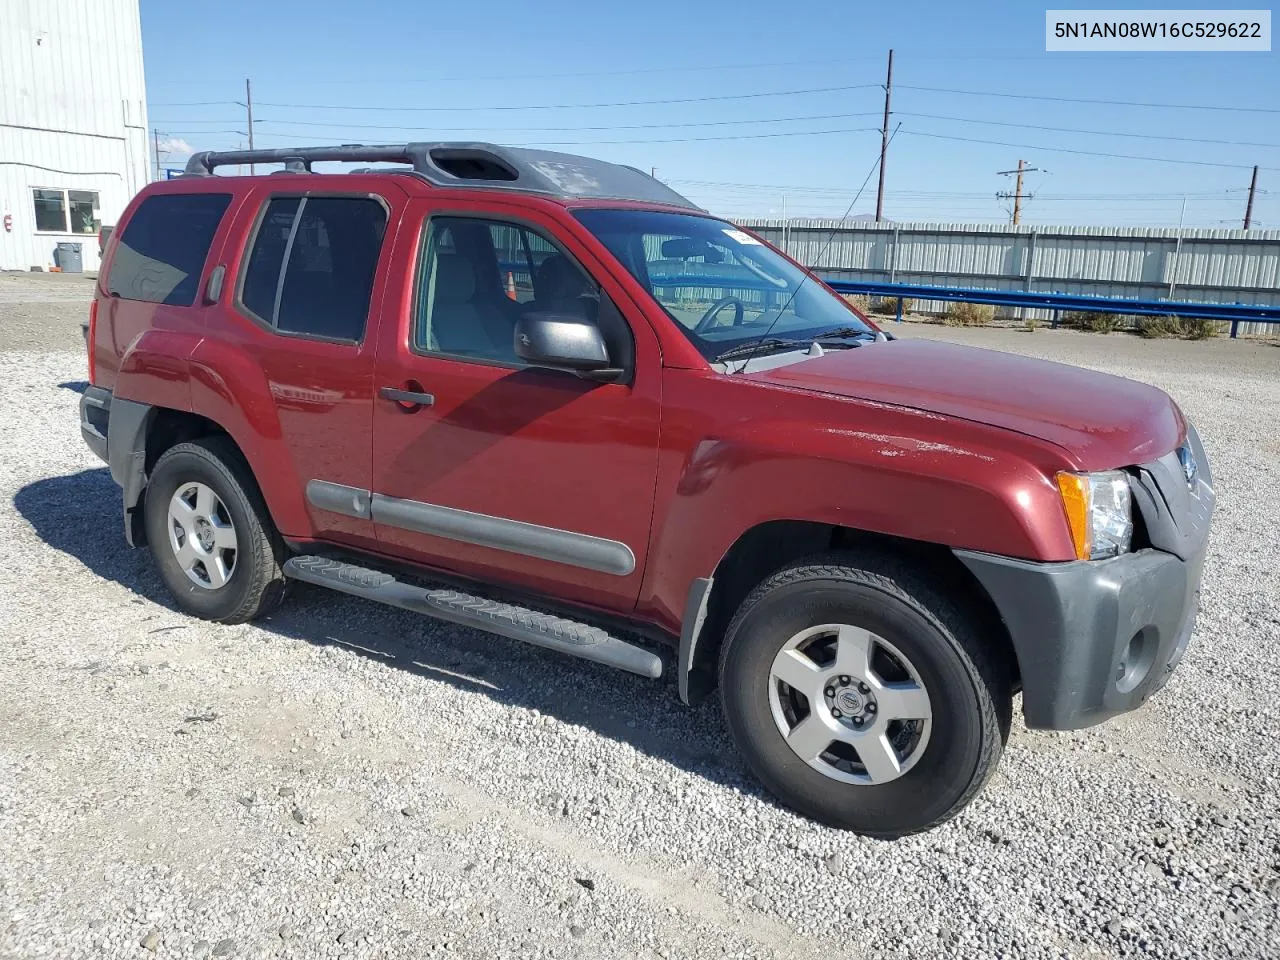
(455, 279)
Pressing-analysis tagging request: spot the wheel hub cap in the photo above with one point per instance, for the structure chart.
(202, 535)
(850, 704)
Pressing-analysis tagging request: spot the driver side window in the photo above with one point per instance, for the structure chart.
(477, 277)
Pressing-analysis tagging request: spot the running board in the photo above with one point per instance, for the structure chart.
(505, 619)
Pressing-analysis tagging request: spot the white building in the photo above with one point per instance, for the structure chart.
(73, 125)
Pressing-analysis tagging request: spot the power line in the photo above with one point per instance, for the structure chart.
(1085, 153)
(1101, 133)
(601, 143)
(726, 123)
(1174, 195)
(1114, 103)
(624, 126)
(570, 106)
(741, 65)
(201, 103)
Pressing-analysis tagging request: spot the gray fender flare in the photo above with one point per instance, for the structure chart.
(127, 457)
(692, 681)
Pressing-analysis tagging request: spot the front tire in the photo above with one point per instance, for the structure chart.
(862, 697)
(210, 534)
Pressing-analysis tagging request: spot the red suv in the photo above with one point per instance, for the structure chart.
(549, 398)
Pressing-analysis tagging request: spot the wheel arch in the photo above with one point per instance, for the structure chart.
(769, 547)
(136, 441)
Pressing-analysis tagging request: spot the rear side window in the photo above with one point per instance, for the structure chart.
(160, 254)
(310, 269)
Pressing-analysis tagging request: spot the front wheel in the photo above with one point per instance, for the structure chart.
(210, 533)
(861, 697)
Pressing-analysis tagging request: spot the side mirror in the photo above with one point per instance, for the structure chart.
(560, 342)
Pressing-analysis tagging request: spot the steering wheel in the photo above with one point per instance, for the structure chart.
(708, 318)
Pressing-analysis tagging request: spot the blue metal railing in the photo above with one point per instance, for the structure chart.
(1234, 313)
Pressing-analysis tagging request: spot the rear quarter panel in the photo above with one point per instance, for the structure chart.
(121, 323)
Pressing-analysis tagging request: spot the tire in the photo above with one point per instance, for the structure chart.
(253, 583)
(900, 617)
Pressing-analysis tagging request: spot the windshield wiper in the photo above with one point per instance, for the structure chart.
(840, 333)
(766, 345)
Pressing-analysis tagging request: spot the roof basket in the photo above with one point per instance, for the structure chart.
(469, 165)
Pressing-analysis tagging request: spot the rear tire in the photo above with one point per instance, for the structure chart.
(923, 659)
(210, 533)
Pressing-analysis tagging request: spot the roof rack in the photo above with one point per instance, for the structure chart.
(485, 165)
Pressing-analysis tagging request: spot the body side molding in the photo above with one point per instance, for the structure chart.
(339, 498)
(515, 536)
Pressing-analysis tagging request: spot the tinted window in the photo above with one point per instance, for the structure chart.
(476, 278)
(160, 254)
(262, 273)
(311, 267)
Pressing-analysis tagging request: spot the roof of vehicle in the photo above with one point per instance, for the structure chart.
(488, 166)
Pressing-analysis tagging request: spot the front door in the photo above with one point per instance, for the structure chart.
(529, 477)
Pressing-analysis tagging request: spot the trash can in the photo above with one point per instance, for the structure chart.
(69, 257)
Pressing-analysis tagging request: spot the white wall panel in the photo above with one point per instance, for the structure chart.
(72, 115)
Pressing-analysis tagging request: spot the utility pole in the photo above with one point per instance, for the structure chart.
(1177, 250)
(248, 106)
(155, 139)
(653, 172)
(1017, 194)
(1248, 207)
(786, 227)
(884, 138)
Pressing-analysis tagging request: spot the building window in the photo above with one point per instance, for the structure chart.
(66, 211)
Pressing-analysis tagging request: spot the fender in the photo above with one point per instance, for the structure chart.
(153, 374)
(248, 413)
(840, 462)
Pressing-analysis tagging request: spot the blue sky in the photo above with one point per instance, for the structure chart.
(385, 71)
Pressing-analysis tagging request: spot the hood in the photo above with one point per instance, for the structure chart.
(1102, 421)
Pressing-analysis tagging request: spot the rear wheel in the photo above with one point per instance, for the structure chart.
(210, 533)
(861, 697)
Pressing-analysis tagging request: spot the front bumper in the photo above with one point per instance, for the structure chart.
(1095, 638)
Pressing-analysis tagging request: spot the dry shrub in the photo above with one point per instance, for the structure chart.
(1188, 328)
(965, 314)
(1091, 322)
(1198, 328)
(890, 305)
(860, 301)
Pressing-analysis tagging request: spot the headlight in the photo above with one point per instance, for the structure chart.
(1099, 512)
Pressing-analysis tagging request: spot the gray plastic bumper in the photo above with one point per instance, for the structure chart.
(1096, 638)
(95, 413)
(1093, 638)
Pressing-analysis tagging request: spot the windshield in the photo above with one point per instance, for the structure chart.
(722, 287)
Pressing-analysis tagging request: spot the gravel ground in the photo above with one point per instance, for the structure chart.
(349, 780)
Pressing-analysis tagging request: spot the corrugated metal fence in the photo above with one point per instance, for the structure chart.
(1213, 266)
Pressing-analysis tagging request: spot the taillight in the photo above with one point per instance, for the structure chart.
(92, 339)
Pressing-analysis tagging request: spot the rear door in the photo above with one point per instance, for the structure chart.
(303, 297)
(513, 474)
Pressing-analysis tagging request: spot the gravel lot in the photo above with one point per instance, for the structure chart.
(348, 780)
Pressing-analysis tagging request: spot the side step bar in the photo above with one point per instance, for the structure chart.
(504, 619)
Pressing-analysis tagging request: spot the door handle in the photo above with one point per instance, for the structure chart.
(411, 398)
